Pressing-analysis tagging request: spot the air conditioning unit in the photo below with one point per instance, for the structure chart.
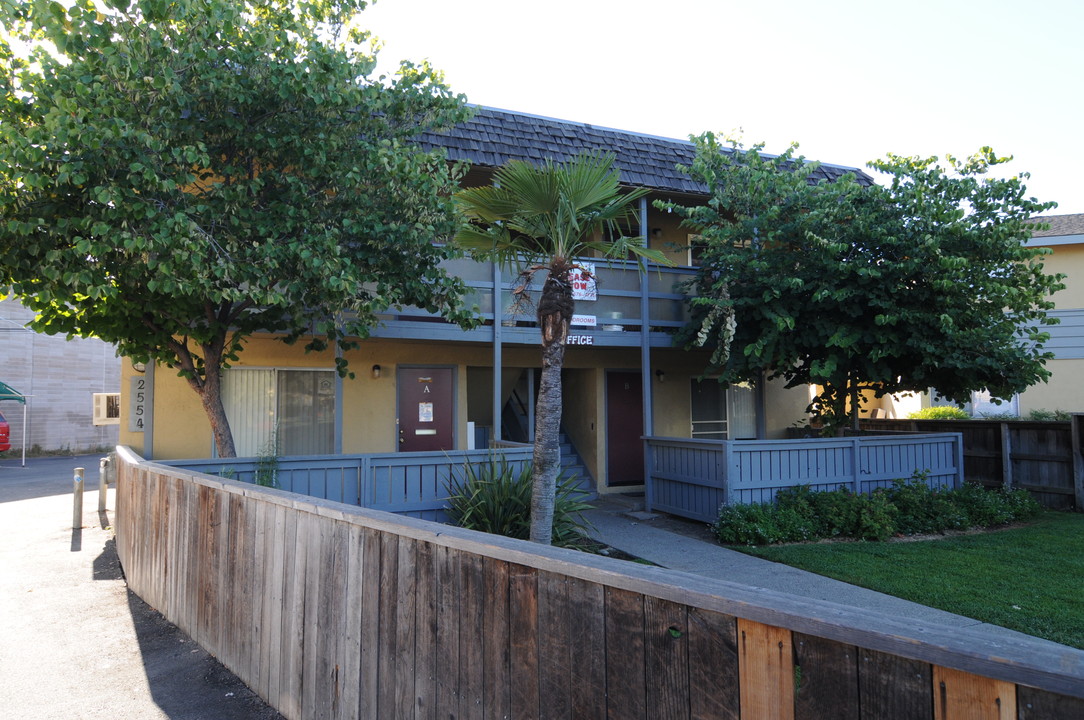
(107, 408)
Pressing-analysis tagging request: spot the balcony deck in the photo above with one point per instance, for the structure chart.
(617, 311)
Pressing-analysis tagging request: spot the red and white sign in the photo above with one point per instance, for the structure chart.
(583, 321)
(582, 278)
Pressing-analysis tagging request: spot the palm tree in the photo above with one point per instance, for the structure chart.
(541, 218)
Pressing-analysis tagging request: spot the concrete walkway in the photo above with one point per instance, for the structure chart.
(688, 546)
(76, 644)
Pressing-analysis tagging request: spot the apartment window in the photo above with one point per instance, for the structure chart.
(696, 248)
(723, 412)
(280, 412)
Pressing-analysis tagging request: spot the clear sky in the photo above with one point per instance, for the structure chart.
(849, 80)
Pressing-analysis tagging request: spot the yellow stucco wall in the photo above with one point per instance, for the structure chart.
(1065, 391)
(582, 395)
(181, 429)
(1069, 261)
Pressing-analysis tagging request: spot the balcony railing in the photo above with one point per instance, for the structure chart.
(615, 310)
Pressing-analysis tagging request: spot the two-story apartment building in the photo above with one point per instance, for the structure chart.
(424, 384)
(1064, 391)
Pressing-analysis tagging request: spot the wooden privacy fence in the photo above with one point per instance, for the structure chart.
(333, 611)
(1043, 458)
(413, 484)
(692, 478)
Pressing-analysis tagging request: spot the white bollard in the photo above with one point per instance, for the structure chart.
(103, 483)
(77, 500)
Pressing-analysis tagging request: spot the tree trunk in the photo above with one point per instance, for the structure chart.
(554, 314)
(211, 396)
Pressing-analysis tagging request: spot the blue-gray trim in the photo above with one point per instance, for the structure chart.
(1066, 338)
(148, 422)
(645, 345)
(498, 358)
(531, 399)
(493, 137)
(339, 400)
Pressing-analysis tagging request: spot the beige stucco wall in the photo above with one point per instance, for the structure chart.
(582, 394)
(1065, 391)
(369, 404)
(1069, 261)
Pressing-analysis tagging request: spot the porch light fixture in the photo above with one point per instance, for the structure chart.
(660, 375)
(139, 367)
(376, 371)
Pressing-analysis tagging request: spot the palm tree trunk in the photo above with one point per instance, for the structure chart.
(554, 313)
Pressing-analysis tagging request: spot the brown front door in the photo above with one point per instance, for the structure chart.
(426, 409)
(624, 427)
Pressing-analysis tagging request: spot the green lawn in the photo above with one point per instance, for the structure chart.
(1029, 579)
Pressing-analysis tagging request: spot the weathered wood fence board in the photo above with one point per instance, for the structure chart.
(692, 478)
(1043, 458)
(332, 611)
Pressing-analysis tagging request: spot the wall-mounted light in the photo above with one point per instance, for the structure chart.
(139, 367)
(660, 375)
(376, 371)
(656, 233)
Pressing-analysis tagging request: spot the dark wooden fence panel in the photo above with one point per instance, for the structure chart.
(1044, 458)
(333, 611)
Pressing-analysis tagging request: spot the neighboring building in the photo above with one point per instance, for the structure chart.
(1065, 390)
(424, 384)
(60, 378)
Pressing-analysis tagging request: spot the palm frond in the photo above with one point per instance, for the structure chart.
(536, 213)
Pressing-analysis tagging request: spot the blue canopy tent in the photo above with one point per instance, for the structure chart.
(9, 393)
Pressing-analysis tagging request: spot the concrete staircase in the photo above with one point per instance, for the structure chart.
(572, 464)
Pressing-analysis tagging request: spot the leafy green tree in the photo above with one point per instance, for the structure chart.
(540, 219)
(176, 175)
(925, 282)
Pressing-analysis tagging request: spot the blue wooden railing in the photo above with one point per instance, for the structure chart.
(617, 309)
(692, 478)
(413, 484)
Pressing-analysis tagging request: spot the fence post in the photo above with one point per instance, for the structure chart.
(1006, 457)
(728, 462)
(365, 482)
(1078, 461)
(959, 480)
(857, 485)
(649, 467)
(77, 498)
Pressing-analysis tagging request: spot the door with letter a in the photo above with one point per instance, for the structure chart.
(426, 409)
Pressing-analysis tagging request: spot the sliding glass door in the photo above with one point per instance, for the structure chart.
(280, 412)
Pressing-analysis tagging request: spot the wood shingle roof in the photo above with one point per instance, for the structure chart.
(1060, 225)
(493, 137)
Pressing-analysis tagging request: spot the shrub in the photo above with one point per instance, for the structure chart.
(762, 524)
(921, 509)
(875, 517)
(496, 498)
(1043, 415)
(986, 508)
(940, 412)
(998, 417)
(907, 507)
